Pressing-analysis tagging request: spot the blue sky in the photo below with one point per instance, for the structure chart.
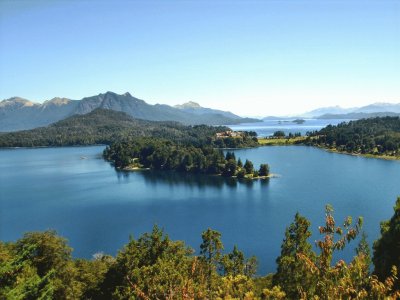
(250, 57)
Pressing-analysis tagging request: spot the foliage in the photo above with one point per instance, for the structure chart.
(279, 133)
(376, 136)
(160, 154)
(210, 251)
(234, 263)
(387, 247)
(264, 170)
(292, 273)
(332, 280)
(103, 126)
(40, 266)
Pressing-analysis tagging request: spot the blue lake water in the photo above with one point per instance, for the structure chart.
(80, 195)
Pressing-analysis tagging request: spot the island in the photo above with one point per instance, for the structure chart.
(299, 121)
(161, 154)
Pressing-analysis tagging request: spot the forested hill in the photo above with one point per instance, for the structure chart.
(103, 126)
(21, 114)
(375, 136)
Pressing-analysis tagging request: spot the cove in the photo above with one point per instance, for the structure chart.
(74, 191)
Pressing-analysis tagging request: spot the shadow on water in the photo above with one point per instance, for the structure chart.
(173, 178)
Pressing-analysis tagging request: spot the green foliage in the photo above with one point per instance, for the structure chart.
(239, 163)
(292, 274)
(153, 266)
(160, 154)
(103, 126)
(279, 134)
(210, 251)
(379, 136)
(40, 266)
(248, 166)
(230, 168)
(264, 170)
(387, 247)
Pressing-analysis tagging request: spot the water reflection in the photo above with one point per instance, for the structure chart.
(200, 181)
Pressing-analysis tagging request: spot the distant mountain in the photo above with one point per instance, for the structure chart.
(104, 126)
(20, 114)
(379, 107)
(195, 108)
(326, 110)
(337, 112)
(358, 115)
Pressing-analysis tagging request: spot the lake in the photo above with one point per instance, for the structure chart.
(75, 192)
(268, 127)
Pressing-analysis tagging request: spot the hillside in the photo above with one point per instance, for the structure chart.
(103, 126)
(21, 114)
(374, 136)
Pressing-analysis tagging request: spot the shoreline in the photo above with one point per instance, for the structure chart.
(366, 155)
(138, 169)
(294, 143)
(55, 146)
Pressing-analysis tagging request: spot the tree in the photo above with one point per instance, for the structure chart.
(292, 273)
(363, 248)
(279, 134)
(241, 173)
(239, 163)
(230, 168)
(387, 247)
(264, 170)
(233, 263)
(340, 280)
(230, 155)
(210, 251)
(248, 166)
(50, 256)
(153, 266)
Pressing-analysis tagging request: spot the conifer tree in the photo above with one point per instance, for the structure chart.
(387, 247)
(210, 251)
(291, 271)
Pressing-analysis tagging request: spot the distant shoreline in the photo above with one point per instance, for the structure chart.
(366, 155)
(55, 146)
(298, 142)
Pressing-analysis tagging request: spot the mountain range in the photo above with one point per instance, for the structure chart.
(20, 114)
(337, 112)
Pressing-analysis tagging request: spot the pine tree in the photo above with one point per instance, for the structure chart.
(248, 165)
(264, 170)
(239, 163)
(210, 251)
(387, 247)
(291, 272)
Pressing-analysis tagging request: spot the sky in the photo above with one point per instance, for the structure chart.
(254, 58)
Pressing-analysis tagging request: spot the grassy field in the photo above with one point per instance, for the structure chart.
(280, 141)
